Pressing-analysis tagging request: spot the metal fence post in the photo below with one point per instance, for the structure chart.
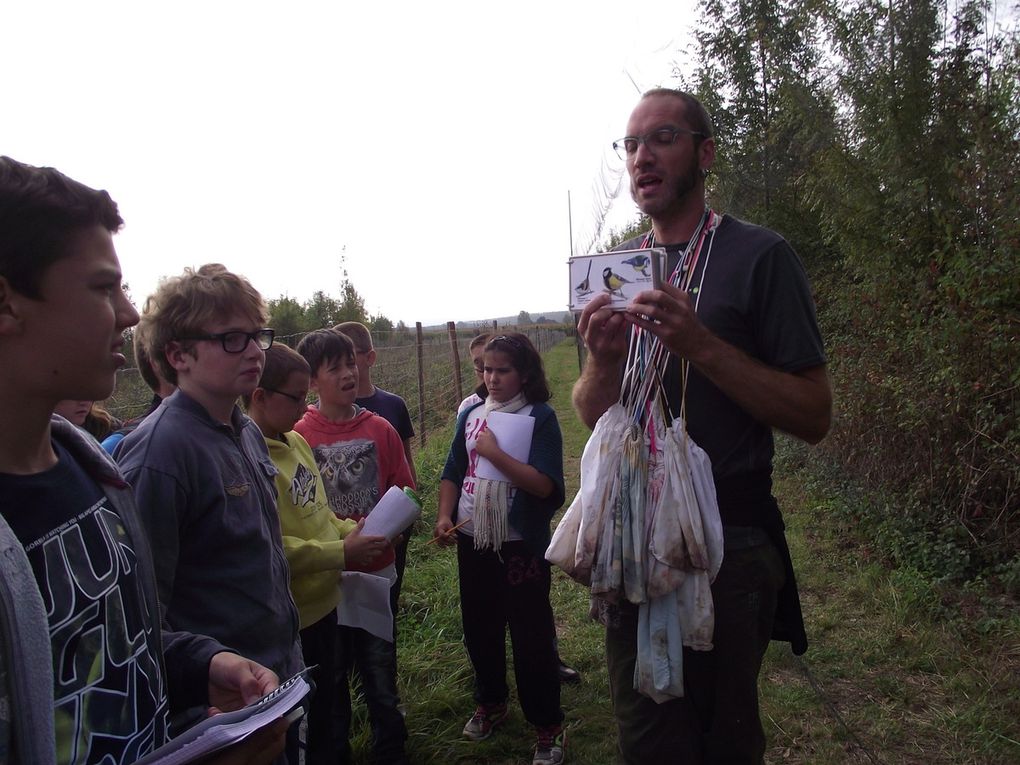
(421, 384)
(458, 385)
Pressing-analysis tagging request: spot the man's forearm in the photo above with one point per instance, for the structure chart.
(798, 403)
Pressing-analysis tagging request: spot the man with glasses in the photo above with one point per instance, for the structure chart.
(201, 473)
(742, 324)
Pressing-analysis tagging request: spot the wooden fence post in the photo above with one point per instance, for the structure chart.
(421, 384)
(451, 329)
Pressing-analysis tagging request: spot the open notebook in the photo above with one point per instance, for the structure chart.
(222, 730)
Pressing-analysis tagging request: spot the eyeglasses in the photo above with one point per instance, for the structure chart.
(662, 138)
(237, 341)
(291, 396)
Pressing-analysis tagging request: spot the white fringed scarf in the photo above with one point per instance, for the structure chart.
(492, 498)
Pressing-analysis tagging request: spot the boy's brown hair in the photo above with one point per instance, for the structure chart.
(358, 333)
(281, 362)
(323, 346)
(41, 210)
(478, 340)
(184, 305)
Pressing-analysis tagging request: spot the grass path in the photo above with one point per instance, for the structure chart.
(899, 670)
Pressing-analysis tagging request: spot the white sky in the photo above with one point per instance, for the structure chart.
(436, 141)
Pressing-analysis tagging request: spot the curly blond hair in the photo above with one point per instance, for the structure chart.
(185, 305)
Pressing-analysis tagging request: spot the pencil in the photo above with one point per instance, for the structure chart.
(447, 533)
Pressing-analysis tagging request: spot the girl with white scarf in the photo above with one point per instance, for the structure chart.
(501, 529)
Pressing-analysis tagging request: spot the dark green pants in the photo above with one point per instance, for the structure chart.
(717, 720)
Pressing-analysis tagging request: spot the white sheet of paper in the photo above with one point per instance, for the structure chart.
(513, 433)
(365, 601)
(391, 514)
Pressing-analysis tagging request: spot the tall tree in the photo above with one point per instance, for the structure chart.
(881, 137)
(922, 205)
(287, 317)
(760, 77)
(382, 328)
(351, 306)
(322, 311)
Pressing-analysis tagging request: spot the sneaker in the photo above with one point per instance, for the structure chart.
(549, 749)
(484, 721)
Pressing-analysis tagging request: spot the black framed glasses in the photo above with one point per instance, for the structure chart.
(236, 341)
(291, 396)
(662, 138)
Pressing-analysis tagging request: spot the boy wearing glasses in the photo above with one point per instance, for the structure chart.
(202, 475)
(318, 544)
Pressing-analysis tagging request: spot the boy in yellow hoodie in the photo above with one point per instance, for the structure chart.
(318, 545)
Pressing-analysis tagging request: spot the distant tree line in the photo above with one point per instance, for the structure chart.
(881, 139)
(292, 319)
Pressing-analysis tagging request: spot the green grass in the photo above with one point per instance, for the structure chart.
(905, 669)
(900, 669)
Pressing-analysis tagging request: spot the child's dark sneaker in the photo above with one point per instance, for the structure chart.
(550, 747)
(484, 721)
(568, 674)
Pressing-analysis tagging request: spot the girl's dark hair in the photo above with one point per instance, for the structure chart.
(99, 422)
(525, 359)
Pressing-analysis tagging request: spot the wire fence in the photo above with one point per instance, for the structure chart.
(429, 368)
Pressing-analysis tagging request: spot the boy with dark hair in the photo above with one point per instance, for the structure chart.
(82, 650)
(360, 456)
(318, 544)
(373, 398)
(393, 409)
(202, 475)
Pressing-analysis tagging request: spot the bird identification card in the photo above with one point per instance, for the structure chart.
(621, 275)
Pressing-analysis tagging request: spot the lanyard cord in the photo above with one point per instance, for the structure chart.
(683, 274)
(647, 357)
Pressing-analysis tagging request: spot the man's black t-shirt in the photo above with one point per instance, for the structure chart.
(755, 296)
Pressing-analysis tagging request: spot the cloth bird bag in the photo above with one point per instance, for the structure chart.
(644, 527)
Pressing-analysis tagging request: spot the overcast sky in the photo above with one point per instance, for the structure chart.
(432, 142)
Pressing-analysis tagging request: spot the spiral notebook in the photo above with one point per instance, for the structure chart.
(222, 730)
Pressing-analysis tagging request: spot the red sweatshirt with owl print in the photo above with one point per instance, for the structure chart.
(359, 459)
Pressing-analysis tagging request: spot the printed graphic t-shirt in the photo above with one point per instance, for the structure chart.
(359, 459)
(110, 701)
